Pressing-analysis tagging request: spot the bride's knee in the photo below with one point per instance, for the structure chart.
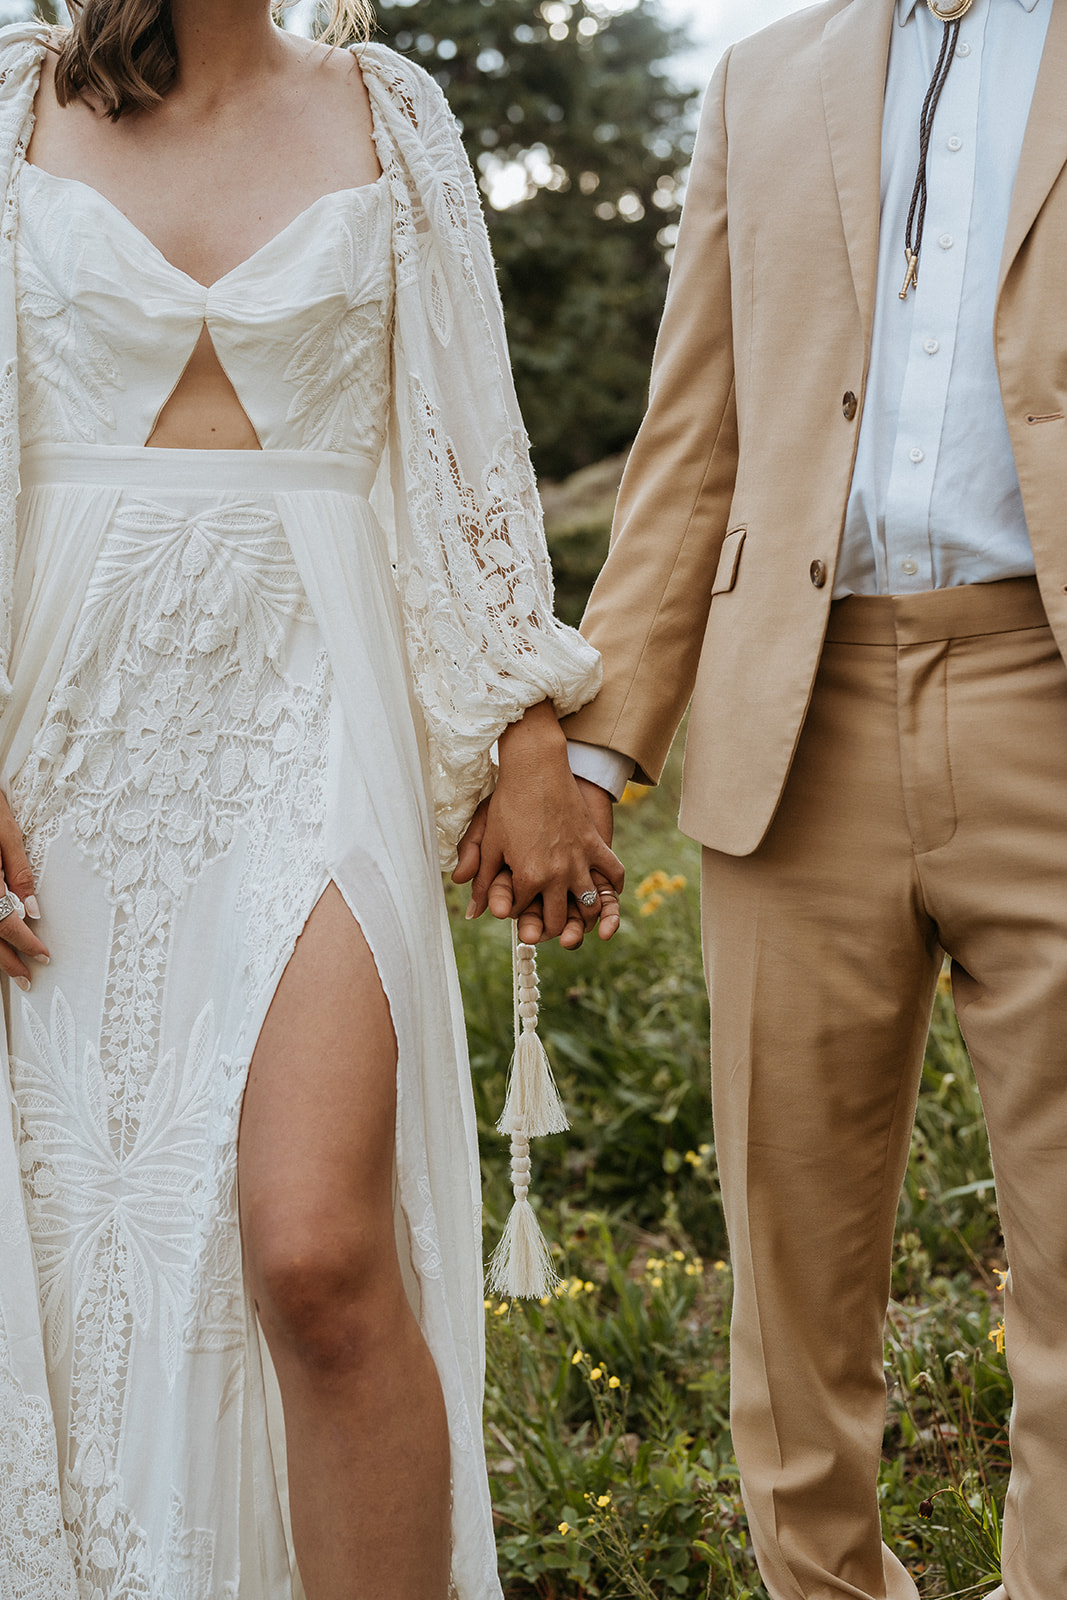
(330, 1293)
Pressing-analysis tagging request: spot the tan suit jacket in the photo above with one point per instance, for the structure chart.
(730, 516)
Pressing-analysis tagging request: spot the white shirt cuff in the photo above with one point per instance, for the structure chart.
(597, 764)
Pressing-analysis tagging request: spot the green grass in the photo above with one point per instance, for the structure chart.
(629, 1489)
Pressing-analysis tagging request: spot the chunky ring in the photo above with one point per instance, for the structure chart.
(11, 905)
(590, 897)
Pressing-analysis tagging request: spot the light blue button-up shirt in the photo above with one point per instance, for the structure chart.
(935, 496)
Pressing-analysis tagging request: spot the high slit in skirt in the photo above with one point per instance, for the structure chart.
(212, 718)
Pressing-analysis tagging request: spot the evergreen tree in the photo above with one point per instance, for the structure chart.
(575, 91)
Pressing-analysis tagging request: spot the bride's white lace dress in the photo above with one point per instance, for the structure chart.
(228, 687)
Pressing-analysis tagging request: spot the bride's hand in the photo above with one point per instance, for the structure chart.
(534, 849)
(17, 939)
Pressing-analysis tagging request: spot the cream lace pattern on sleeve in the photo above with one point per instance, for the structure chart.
(472, 565)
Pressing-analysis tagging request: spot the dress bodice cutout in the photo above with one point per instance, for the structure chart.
(302, 328)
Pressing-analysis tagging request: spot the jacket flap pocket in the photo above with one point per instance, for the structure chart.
(729, 560)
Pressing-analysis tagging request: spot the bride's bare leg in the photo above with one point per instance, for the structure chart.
(365, 1422)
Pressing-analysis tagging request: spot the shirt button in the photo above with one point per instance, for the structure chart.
(931, 346)
(817, 574)
(909, 566)
(917, 455)
(849, 405)
(964, 49)
(946, 241)
(955, 143)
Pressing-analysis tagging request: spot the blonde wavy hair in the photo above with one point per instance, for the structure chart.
(121, 54)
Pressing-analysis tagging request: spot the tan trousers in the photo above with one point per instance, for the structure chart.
(926, 811)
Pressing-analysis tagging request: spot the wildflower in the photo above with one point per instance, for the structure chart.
(693, 1159)
(577, 1358)
(692, 1270)
(634, 793)
(501, 1308)
(589, 1288)
(657, 1282)
(564, 1528)
(653, 884)
(613, 1383)
(997, 1337)
(597, 1372)
(603, 1500)
(926, 1508)
(677, 1255)
(651, 905)
(720, 1266)
(1003, 1276)
(545, 1300)
(677, 882)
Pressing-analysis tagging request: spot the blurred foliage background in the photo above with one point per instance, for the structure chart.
(574, 99)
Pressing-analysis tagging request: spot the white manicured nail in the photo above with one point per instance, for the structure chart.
(470, 911)
(23, 983)
(32, 908)
(45, 961)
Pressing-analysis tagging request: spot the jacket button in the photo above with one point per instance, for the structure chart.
(817, 572)
(849, 405)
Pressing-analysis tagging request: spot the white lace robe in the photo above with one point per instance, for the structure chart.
(474, 588)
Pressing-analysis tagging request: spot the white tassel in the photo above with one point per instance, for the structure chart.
(521, 1265)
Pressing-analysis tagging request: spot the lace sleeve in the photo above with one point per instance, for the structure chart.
(473, 573)
(21, 50)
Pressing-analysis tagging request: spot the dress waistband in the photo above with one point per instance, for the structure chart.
(209, 471)
(961, 612)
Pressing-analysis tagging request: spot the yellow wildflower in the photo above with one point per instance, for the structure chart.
(603, 1500)
(633, 793)
(564, 1527)
(997, 1337)
(720, 1266)
(653, 884)
(692, 1270)
(488, 1305)
(597, 1372)
(678, 1255)
(1003, 1276)
(657, 1282)
(677, 882)
(651, 905)
(501, 1308)
(589, 1287)
(692, 1158)
(577, 1358)
(614, 1383)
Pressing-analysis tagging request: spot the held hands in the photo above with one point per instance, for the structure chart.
(541, 841)
(17, 939)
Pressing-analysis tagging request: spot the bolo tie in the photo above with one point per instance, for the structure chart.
(951, 16)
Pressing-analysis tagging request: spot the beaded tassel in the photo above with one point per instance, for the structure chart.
(521, 1264)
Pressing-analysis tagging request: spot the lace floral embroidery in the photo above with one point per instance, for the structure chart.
(174, 725)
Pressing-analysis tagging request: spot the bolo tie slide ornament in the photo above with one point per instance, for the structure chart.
(951, 16)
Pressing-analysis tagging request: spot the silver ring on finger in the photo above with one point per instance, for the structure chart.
(590, 898)
(11, 905)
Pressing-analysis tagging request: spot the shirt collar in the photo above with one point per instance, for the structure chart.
(906, 7)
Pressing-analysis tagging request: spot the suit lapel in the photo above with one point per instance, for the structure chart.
(855, 54)
(1044, 149)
